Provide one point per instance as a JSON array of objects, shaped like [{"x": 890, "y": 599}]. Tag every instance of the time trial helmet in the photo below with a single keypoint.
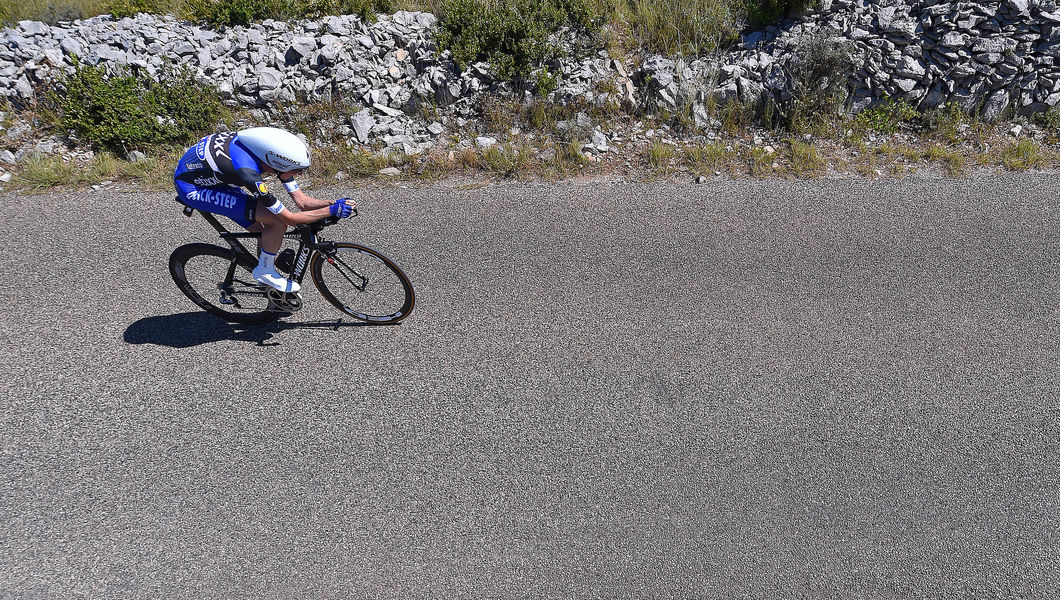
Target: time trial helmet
[{"x": 279, "y": 149}]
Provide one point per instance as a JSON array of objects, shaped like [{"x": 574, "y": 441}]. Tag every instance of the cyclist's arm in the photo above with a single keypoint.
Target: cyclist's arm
[
  {"x": 290, "y": 218},
  {"x": 306, "y": 202},
  {"x": 303, "y": 200}
]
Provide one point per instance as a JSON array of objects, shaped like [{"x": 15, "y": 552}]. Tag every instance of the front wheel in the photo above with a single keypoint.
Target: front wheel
[
  {"x": 212, "y": 278},
  {"x": 363, "y": 283}
]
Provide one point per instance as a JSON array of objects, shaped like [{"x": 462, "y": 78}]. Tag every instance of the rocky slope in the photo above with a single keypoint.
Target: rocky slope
[{"x": 988, "y": 56}]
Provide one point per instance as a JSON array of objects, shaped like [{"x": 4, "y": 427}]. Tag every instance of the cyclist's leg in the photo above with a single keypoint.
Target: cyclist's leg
[{"x": 272, "y": 229}]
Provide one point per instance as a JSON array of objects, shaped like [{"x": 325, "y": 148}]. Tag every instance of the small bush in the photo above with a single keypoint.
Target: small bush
[
  {"x": 506, "y": 161},
  {"x": 805, "y": 160},
  {"x": 706, "y": 159},
  {"x": 946, "y": 122},
  {"x": 122, "y": 111},
  {"x": 431, "y": 166},
  {"x": 1023, "y": 155},
  {"x": 498, "y": 114},
  {"x": 120, "y": 9},
  {"x": 764, "y": 12},
  {"x": 1049, "y": 119},
  {"x": 511, "y": 35},
  {"x": 820, "y": 82},
  {"x": 735, "y": 116},
  {"x": 104, "y": 166},
  {"x": 760, "y": 161},
  {"x": 545, "y": 82},
  {"x": 659, "y": 157},
  {"x": 955, "y": 164},
  {"x": 151, "y": 171},
  {"x": 356, "y": 162},
  {"x": 12, "y": 11},
  {"x": 888, "y": 117},
  {"x": 222, "y": 13}
]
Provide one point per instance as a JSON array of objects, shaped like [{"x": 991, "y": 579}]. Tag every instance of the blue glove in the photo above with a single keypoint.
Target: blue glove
[{"x": 340, "y": 209}]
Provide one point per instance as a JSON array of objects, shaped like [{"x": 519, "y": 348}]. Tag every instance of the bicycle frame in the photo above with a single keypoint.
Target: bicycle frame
[{"x": 308, "y": 242}]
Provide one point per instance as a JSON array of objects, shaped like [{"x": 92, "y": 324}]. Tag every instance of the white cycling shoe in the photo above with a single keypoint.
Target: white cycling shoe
[{"x": 273, "y": 279}]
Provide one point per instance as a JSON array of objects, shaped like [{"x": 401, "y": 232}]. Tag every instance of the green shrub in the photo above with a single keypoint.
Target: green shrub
[
  {"x": 659, "y": 157},
  {"x": 759, "y": 161},
  {"x": 545, "y": 82},
  {"x": 709, "y": 158},
  {"x": 511, "y": 35},
  {"x": 946, "y": 122},
  {"x": 1023, "y": 155},
  {"x": 764, "y": 12},
  {"x": 887, "y": 117},
  {"x": 1049, "y": 119},
  {"x": 222, "y": 13},
  {"x": 820, "y": 84},
  {"x": 121, "y": 111},
  {"x": 506, "y": 161},
  {"x": 51, "y": 12},
  {"x": 126, "y": 8},
  {"x": 103, "y": 166},
  {"x": 805, "y": 160}
]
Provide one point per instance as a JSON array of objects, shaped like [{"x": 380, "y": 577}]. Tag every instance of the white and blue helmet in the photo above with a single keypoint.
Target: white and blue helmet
[{"x": 279, "y": 149}]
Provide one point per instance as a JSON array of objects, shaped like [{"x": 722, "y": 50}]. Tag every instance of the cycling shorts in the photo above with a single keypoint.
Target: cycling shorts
[
  {"x": 230, "y": 202},
  {"x": 207, "y": 193}
]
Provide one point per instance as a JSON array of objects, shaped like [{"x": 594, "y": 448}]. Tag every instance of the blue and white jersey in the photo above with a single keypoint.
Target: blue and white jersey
[{"x": 219, "y": 160}]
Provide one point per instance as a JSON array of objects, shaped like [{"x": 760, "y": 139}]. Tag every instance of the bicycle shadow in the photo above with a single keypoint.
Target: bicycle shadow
[{"x": 185, "y": 330}]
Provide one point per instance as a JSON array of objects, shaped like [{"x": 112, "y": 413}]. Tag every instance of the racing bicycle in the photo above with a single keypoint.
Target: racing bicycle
[{"x": 355, "y": 279}]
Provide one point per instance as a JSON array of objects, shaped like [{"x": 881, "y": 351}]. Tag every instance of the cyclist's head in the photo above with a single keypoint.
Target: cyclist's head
[{"x": 278, "y": 149}]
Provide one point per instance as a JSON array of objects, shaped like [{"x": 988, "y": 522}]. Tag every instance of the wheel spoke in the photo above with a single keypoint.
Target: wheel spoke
[
  {"x": 364, "y": 284},
  {"x": 206, "y": 274}
]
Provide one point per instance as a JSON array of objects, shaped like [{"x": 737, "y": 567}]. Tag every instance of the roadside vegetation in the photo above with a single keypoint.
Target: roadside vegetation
[{"x": 136, "y": 128}]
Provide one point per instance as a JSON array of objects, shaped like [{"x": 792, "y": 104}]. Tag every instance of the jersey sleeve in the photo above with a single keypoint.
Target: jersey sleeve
[{"x": 249, "y": 177}]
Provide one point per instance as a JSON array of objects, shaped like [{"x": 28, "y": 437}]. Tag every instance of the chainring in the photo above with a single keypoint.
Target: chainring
[{"x": 284, "y": 301}]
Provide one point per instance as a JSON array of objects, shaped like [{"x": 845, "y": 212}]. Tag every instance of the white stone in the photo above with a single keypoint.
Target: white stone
[
  {"x": 386, "y": 110},
  {"x": 362, "y": 123},
  {"x": 600, "y": 141}
]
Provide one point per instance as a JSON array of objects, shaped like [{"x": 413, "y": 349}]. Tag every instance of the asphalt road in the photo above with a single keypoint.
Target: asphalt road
[{"x": 739, "y": 389}]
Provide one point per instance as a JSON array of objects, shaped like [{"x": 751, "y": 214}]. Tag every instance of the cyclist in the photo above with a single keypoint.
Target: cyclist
[{"x": 223, "y": 174}]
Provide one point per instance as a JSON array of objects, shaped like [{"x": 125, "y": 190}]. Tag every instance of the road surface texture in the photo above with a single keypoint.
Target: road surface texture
[{"x": 836, "y": 388}]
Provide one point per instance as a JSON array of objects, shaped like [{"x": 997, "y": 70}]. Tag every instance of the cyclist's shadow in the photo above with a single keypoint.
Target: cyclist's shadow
[{"x": 185, "y": 330}]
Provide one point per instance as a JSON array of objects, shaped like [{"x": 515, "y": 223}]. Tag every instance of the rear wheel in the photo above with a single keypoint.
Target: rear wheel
[
  {"x": 363, "y": 283},
  {"x": 212, "y": 278}
]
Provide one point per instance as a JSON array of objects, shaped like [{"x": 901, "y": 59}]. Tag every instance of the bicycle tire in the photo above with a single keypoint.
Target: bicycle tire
[
  {"x": 366, "y": 285},
  {"x": 201, "y": 281}
]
